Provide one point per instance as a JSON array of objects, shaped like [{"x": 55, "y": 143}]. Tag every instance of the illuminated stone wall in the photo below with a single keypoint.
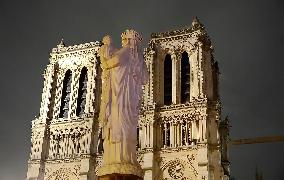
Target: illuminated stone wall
[
  {"x": 179, "y": 140},
  {"x": 65, "y": 148}
]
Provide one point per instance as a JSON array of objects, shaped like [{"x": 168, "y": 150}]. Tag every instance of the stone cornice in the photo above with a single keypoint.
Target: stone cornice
[
  {"x": 63, "y": 49},
  {"x": 70, "y": 120},
  {"x": 40, "y": 122},
  {"x": 178, "y": 32},
  {"x": 177, "y": 149}
]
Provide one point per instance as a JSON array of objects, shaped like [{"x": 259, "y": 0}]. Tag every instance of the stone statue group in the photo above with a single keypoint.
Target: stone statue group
[{"x": 124, "y": 73}]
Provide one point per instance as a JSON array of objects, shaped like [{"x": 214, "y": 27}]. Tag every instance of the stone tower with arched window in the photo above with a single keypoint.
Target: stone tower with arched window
[
  {"x": 63, "y": 136},
  {"x": 180, "y": 114},
  {"x": 180, "y": 133}
]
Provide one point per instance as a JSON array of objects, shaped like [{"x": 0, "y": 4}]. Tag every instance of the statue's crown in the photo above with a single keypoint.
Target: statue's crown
[{"x": 131, "y": 34}]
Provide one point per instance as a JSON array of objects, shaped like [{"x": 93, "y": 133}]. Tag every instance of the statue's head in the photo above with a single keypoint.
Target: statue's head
[{"x": 130, "y": 38}]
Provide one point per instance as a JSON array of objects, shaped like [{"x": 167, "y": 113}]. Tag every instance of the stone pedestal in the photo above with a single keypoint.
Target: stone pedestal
[
  {"x": 120, "y": 171},
  {"x": 119, "y": 177}
]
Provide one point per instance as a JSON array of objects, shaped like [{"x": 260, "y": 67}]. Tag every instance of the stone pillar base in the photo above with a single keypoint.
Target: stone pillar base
[
  {"x": 119, "y": 177},
  {"x": 120, "y": 169}
]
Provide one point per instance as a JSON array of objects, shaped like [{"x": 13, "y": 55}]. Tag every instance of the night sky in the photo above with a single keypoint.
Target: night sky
[{"x": 248, "y": 38}]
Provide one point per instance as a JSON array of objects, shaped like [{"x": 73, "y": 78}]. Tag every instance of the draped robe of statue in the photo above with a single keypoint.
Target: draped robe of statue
[{"x": 127, "y": 74}]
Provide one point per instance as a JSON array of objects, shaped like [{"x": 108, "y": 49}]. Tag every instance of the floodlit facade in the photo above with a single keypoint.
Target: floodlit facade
[{"x": 180, "y": 133}]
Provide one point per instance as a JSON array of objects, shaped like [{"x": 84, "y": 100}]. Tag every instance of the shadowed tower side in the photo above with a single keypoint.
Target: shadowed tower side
[{"x": 63, "y": 136}]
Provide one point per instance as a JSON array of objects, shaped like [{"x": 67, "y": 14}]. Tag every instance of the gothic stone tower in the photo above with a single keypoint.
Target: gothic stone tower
[
  {"x": 63, "y": 134},
  {"x": 180, "y": 115},
  {"x": 180, "y": 134}
]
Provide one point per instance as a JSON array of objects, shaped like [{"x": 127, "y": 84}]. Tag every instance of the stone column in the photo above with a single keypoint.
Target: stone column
[
  {"x": 47, "y": 85},
  {"x": 150, "y": 58},
  {"x": 174, "y": 79},
  {"x": 165, "y": 135},
  {"x": 74, "y": 92},
  {"x": 171, "y": 135}
]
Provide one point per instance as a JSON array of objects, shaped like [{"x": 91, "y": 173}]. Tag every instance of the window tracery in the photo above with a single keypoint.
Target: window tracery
[
  {"x": 82, "y": 92},
  {"x": 185, "y": 78},
  {"x": 65, "y": 97},
  {"x": 168, "y": 80}
]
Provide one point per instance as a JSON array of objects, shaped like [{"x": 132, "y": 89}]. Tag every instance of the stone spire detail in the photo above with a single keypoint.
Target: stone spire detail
[
  {"x": 196, "y": 24},
  {"x": 61, "y": 44}
]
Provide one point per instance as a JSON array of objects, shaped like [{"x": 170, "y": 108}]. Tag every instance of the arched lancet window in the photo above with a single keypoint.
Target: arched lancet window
[
  {"x": 138, "y": 145},
  {"x": 185, "y": 78},
  {"x": 100, "y": 148},
  {"x": 168, "y": 80},
  {"x": 82, "y": 91},
  {"x": 65, "y": 98}
]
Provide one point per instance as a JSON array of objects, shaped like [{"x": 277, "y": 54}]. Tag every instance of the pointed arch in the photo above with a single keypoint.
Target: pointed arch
[
  {"x": 185, "y": 78},
  {"x": 168, "y": 80},
  {"x": 82, "y": 92},
  {"x": 65, "y": 97},
  {"x": 100, "y": 147}
]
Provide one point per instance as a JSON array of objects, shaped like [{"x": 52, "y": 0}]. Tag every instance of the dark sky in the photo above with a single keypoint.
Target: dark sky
[{"x": 248, "y": 38}]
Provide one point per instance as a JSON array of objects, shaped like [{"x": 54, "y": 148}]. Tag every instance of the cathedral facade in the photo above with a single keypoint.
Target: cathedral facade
[{"x": 180, "y": 134}]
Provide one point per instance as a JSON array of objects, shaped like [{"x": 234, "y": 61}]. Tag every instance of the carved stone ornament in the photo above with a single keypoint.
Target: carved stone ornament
[
  {"x": 176, "y": 170},
  {"x": 63, "y": 174}
]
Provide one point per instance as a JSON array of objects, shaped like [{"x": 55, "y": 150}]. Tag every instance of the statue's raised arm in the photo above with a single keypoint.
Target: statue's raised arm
[{"x": 105, "y": 53}]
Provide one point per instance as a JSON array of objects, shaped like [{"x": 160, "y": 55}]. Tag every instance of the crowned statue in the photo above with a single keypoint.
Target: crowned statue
[{"x": 124, "y": 73}]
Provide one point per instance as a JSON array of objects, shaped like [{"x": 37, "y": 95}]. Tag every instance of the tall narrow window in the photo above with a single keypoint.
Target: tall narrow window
[
  {"x": 168, "y": 80},
  {"x": 138, "y": 139},
  {"x": 81, "y": 100},
  {"x": 185, "y": 78},
  {"x": 100, "y": 148},
  {"x": 65, "y": 98}
]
